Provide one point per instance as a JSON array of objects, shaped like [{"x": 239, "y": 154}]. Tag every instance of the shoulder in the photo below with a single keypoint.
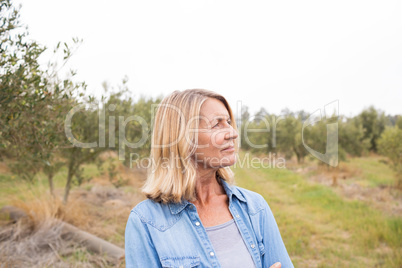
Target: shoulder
[
  {"x": 155, "y": 214},
  {"x": 147, "y": 207}
]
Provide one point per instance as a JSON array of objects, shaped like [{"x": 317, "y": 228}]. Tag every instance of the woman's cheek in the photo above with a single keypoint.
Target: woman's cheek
[
  {"x": 204, "y": 141},
  {"x": 217, "y": 139}
]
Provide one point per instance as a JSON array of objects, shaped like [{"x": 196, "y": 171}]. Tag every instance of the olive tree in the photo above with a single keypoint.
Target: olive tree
[
  {"x": 33, "y": 100},
  {"x": 390, "y": 145}
]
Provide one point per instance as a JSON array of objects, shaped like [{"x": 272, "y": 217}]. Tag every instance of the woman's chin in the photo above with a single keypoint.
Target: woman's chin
[{"x": 228, "y": 161}]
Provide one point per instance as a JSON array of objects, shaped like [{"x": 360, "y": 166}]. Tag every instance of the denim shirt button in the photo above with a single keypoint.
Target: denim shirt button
[
  {"x": 252, "y": 246},
  {"x": 212, "y": 254},
  {"x": 238, "y": 216},
  {"x": 197, "y": 223}
]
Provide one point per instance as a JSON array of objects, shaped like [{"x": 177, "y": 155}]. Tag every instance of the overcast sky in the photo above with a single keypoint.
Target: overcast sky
[{"x": 271, "y": 54}]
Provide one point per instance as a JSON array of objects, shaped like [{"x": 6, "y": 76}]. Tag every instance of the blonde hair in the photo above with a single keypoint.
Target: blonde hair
[{"x": 172, "y": 174}]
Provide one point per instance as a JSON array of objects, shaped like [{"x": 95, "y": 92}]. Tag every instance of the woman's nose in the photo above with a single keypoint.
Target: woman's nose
[{"x": 232, "y": 134}]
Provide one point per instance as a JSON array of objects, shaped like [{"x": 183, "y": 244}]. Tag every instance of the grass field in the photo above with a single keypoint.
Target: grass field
[{"x": 321, "y": 227}]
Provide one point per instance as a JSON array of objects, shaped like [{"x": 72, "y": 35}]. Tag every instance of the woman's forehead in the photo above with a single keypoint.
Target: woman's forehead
[{"x": 213, "y": 108}]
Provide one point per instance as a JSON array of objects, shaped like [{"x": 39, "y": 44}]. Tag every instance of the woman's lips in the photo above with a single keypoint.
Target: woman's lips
[{"x": 229, "y": 149}]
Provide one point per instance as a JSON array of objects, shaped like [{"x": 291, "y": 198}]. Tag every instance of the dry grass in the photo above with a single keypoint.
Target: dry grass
[
  {"x": 39, "y": 241},
  {"x": 96, "y": 207},
  {"x": 4, "y": 168},
  {"x": 103, "y": 206},
  {"x": 27, "y": 244}
]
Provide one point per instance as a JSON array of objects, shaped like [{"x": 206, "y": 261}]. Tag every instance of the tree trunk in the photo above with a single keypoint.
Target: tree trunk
[
  {"x": 298, "y": 159},
  {"x": 71, "y": 171},
  {"x": 298, "y": 155},
  {"x": 51, "y": 186},
  {"x": 334, "y": 180}
]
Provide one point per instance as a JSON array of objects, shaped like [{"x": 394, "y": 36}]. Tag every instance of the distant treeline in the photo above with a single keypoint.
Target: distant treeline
[
  {"x": 47, "y": 122},
  {"x": 282, "y": 133}
]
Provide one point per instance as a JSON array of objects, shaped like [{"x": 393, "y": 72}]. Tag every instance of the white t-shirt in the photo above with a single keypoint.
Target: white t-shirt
[{"x": 229, "y": 246}]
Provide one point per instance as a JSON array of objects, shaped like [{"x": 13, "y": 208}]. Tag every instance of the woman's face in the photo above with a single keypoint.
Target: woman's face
[{"x": 215, "y": 136}]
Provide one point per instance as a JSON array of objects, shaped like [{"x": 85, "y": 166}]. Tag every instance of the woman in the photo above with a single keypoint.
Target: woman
[{"x": 194, "y": 216}]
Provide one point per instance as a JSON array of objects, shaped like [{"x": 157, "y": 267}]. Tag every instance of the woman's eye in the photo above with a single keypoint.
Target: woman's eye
[{"x": 217, "y": 124}]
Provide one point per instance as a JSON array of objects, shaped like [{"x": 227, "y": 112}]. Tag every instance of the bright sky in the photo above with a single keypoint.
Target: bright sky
[{"x": 271, "y": 54}]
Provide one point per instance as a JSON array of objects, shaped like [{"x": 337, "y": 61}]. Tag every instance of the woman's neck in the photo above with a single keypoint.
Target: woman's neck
[{"x": 207, "y": 187}]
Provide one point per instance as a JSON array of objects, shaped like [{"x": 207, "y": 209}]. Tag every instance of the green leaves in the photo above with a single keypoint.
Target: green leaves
[
  {"x": 33, "y": 100},
  {"x": 390, "y": 145}
]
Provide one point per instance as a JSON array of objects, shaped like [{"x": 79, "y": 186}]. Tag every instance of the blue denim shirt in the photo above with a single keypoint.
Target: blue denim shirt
[{"x": 172, "y": 235}]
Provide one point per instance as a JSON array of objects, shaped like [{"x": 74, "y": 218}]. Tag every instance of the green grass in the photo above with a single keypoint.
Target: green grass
[
  {"x": 371, "y": 171},
  {"x": 12, "y": 188},
  {"x": 321, "y": 228},
  {"x": 7, "y": 188}
]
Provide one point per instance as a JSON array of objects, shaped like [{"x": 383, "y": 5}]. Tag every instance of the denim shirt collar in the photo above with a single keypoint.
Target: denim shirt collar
[
  {"x": 176, "y": 208},
  {"x": 232, "y": 190}
]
